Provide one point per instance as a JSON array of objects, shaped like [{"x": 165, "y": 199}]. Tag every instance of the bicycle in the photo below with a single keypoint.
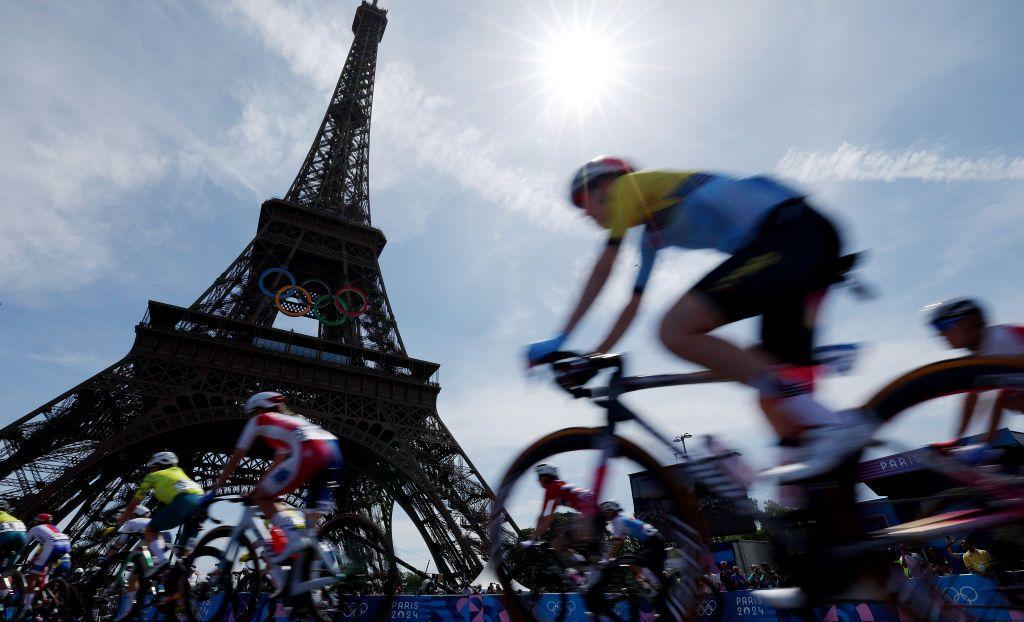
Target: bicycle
[
  {"x": 124, "y": 584},
  {"x": 324, "y": 580},
  {"x": 828, "y": 530},
  {"x": 679, "y": 520},
  {"x": 55, "y": 599}
]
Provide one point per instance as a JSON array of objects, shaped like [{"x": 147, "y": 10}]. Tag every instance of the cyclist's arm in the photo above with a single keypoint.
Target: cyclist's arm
[
  {"x": 126, "y": 514},
  {"x": 543, "y": 524},
  {"x": 622, "y": 324},
  {"x": 598, "y": 277},
  {"x": 229, "y": 468},
  {"x": 970, "y": 401}
]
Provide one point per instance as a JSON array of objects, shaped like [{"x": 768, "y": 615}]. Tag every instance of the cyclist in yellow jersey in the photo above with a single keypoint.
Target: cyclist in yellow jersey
[
  {"x": 13, "y": 537},
  {"x": 171, "y": 487},
  {"x": 783, "y": 255}
]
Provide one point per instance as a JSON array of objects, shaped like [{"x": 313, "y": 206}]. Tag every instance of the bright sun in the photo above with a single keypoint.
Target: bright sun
[{"x": 579, "y": 67}]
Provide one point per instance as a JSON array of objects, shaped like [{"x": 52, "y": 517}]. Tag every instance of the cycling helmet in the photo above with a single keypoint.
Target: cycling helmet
[
  {"x": 264, "y": 400},
  {"x": 611, "y": 506},
  {"x": 596, "y": 171},
  {"x": 547, "y": 469},
  {"x": 943, "y": 315},
  {"x": 44, "y": 518},
  {"x": 163, "y": 458},
  {"x": 141, "y": 510}
]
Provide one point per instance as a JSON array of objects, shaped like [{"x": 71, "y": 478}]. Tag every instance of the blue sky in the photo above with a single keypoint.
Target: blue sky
[{"x": 141, "y": 138}]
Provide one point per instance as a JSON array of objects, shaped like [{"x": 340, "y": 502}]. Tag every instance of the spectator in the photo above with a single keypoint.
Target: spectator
[
  {"x": 913, "y": 564},
  {"x": 725, "y": 575},
  {"x": 976, "y": 560},
  {"x": 427, "y": 587},
  {"x": 770, "y": 576},
  {"x": 710, "y": 582},
  {"x": 739, "y": 579},
  {"x": 756, "y": 579},
  {"x": 937, "y": 561}
]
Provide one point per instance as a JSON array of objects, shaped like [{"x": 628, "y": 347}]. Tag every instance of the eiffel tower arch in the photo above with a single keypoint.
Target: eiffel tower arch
[{"x": 315, "y": 255}]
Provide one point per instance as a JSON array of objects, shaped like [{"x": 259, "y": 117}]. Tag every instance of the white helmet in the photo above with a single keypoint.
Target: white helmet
[
  {"x": 141, "y": 510},
  {"x": 611, "y": 506},
  {"x": 163, "y": 458},
  {"x": 547, "y": 469},
  {"x": 264, "y": 400}
]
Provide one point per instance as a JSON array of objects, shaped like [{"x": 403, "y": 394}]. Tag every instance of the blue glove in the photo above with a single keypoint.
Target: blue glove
[{"x": 539, "y": 350}]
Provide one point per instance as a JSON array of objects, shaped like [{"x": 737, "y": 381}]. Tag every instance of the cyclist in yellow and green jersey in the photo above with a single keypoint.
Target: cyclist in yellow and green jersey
[
  {"x": 171, "y": 487},
  {"x": 13, "y": 536},
  {"x": 783, "y": 256}
]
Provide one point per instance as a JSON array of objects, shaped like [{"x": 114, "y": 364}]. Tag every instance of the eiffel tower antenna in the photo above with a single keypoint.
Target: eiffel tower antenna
[{"x": 80, "y": 456}]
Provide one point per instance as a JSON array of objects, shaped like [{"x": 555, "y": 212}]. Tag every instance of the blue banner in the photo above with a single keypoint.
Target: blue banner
[{"x": 971, "y": 591}]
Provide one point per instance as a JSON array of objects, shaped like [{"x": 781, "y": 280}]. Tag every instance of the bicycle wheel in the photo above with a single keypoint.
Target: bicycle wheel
[
  {"x": 548, "y": 595},
  {"x": 676, "y": 516},
  {"x": 355, "y": 550},
  {"x": 14, "y": 584},
  {"x": 210, "y": 589},
  {"x": 116, "y": 591},
  {"x": 54, "y": 601},
  {"x": 959, "y": 507}
]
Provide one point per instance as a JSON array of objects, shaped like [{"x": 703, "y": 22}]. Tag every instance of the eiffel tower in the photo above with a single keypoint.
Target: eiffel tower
[{"x": 81, "y": 455}]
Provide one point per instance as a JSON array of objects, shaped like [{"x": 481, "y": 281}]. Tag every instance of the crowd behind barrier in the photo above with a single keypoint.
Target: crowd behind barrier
[{"x": 737, "y": 606}]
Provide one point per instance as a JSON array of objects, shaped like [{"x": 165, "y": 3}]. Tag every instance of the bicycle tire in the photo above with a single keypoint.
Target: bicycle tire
[
  {"x": 217, "y": 610},
  {"x": 937, "y": 380},
  {"x": 361, "y": 539},
  {"x": 686, "y": 521}
]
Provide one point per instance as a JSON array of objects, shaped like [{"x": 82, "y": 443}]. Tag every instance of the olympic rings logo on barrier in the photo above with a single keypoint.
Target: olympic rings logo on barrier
[
  {"x": 707, "y": 606},
  {"x": 352, "y": 610},
  {"x": 554, "y": 607},
  {"x": 295, "y": 300},
  {"x": 965, "y": 595}
]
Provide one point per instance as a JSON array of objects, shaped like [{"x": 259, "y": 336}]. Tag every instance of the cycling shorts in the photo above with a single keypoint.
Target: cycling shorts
[
  {"x": 652, "y": 553},
  {"x": 318, "y": 463},
  {"x": 51, "y": 552},
  {"x": 781, "y": 276},
  {"x": 11, "y": 544},
  {"x": 180, "y": 509}
]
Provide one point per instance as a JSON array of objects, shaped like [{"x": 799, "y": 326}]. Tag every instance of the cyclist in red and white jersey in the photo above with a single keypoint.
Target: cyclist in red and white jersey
[
  {"x": 558, "y": 493},
  {"x": 54, "y": 545},
  {"x": 962, "y": 323},
  {"x": 303, "y": 453}
]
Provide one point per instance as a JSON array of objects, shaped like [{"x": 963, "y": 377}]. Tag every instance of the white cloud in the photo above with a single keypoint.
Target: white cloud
[
  {"x": 852, "y": 163},
  {"x": 414, "y": 126},
  {"x": 60, "y": 356}
]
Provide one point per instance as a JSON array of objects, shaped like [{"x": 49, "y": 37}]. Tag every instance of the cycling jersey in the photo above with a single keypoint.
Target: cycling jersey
[
  {"x": 693, "y": 210},
  {"x": 558, "y": 493},
  {"x": 623, "y": 526},
  {"x": 283, "y": 433},
  {"x": 167, "y": 484},
  {"x": 54, "y": 546},
  {"x": 9, "y": 523},
  {"x": 45, "y": 534},
  {"x": 133, "y": 525},
  {"x": 1002, "y": 340}
]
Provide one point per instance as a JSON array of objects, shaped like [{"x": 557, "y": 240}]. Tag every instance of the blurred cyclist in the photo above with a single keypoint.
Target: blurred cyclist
[{"x": 783, "y": 256}]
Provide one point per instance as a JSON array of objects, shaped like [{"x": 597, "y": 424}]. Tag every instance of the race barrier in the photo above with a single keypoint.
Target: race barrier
[{"x": 742, "y": 606}]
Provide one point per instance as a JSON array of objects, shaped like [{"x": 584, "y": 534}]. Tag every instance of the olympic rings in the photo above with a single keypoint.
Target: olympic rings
[
  {"x": 296, "y": 300},
  {"x": 289, "y": 289},
  {"x": 965, "y": 595}
]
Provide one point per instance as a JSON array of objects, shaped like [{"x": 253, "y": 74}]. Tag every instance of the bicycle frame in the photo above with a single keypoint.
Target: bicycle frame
[{"x": 248, "y": 523}]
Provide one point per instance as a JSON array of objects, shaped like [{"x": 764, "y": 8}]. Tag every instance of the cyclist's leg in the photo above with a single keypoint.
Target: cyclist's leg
[
  {"x": 285, "y": 477},
  {"x": 181, "y": 508},
  {"x": 11, "y": 544},
  {"x": 1008, "y": 399},
  {"x": 320, "y": 500}
]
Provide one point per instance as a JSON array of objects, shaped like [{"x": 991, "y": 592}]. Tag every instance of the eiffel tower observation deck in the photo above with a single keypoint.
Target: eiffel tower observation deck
[{"x": 314, "y": 254}]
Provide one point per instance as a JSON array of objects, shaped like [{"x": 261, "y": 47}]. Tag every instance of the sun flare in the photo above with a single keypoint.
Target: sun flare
[{"x": 579, "y": 67}]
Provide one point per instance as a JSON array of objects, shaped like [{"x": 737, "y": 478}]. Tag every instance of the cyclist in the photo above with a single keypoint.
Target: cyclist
[
  {"x": 652, "y": 544},
  {"x": 304, "y": 453},
  {"x": 557, "y": 494},
  {"x": 962, "y": 323},
  {"x": 13, "y": 536},
  {"x": 172, "y": 487},
  {"x": 783, "y": 257},
  {"x": 54, "y": 546}
]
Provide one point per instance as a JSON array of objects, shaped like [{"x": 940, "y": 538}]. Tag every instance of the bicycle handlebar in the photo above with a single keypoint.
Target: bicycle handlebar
[{"x": 573, "y": 371}]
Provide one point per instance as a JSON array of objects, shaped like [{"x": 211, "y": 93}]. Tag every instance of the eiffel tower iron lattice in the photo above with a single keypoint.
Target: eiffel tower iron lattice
[{"x": 81, "y": 455}]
